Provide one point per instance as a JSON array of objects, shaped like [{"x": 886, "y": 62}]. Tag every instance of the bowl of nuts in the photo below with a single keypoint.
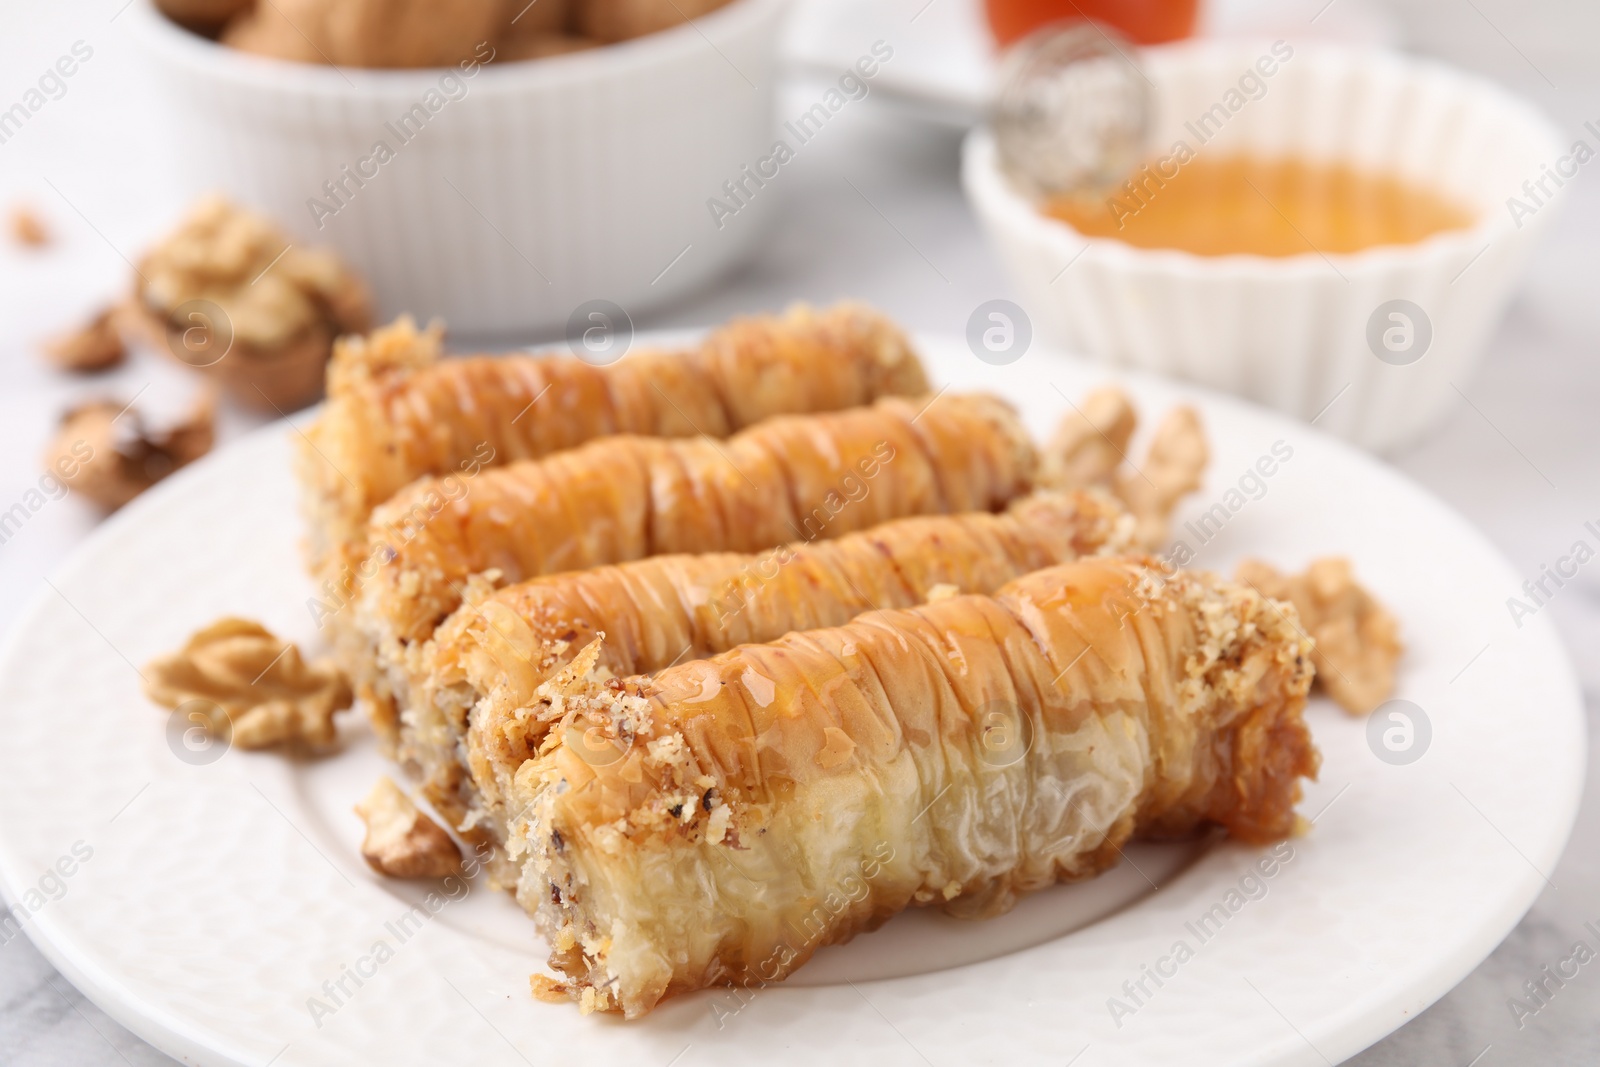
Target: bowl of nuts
[{"x": 496, "y": 163}]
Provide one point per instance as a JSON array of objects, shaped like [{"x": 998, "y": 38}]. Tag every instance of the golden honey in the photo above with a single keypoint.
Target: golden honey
[{"x": 1265, "y": 207}]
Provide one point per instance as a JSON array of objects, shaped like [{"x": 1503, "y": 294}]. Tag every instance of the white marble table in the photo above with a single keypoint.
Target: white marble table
[{"x": 1519, "y": 461}]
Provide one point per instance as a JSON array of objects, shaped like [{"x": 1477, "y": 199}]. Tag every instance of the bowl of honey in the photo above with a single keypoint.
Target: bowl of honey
[{"x": 1328, "y": 230}]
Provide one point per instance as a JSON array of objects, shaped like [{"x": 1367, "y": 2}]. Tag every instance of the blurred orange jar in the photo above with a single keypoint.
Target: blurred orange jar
[
  {"x": 1141, "y": 21},
  {"x": 1241, "y": 205}
]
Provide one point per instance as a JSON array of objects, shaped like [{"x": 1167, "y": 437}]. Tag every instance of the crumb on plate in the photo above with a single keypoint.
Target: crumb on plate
[
  {"x": 28, "y": 228},
  {"x": 1357, "y": 640}
]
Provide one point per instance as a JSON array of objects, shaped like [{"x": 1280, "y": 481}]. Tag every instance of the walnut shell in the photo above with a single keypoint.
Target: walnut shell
[
  {"x": 103, "y": 450},
  {"x": 95, "y": 346}
]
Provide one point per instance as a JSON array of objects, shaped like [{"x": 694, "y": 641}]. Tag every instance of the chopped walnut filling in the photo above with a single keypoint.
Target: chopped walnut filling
[
  {"x": 267, "y": 693},
  {"x": 402, "y": 841},
  {"x": 115, "y": 458},
  {"x": 1357, "y": 639},
  {"x": 229, "y": 294},
  {"x": 394, "y": 350},
  {"x": 94, "y": 346}
]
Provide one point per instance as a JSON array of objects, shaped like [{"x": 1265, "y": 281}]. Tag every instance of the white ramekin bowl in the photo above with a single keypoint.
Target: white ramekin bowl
[
  {"x": 548, "y": 184},
  {"x": 1294, "y": 332}
]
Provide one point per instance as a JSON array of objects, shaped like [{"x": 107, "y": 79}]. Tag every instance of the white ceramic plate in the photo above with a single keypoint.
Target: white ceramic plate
[{"x": 215, "y": 901}]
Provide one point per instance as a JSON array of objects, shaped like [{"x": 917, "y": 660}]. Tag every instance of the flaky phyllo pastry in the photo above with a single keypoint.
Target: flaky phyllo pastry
[
  {"x": 491, "y": 656},
  {"x": 623, "y": 498},
  {"x": 718, "y": 821},
  {"x": 397, "y": 412}
]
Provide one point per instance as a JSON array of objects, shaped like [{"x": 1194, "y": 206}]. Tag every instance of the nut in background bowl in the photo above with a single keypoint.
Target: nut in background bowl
[
  {"x": 1296, "y": 333},
  {"x": 529, "y": 188}
]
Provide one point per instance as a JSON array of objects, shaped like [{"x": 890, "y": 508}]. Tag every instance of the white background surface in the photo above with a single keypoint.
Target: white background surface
[{"x": 870, "y": 210}]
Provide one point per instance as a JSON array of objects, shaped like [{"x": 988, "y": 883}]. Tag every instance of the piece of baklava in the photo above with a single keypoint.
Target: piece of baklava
[
  {"x": 397, "y": 412},
  {"x": 491, "y": 656},
  {"x": 622, "y": 498},
  {"x": 752, "y": 807}
]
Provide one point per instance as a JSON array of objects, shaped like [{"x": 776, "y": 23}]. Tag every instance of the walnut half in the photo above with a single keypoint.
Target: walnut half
[
  {"x": 229, "y": 294},
  {"x": 269, "y": 694},
  {"x": 1173, "y": 468},
  {"x": 1090, "y": 448},
  {"x": 401, "y": 841},
  {"x": 1357, "y": 639},
  {"x": 1091, "y": 442}
]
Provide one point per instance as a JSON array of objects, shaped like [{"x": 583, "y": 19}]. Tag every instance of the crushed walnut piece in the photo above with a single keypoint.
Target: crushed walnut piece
[
  {"x": 1091, "y": 442},
  {"x": 1357, "y": 640},
  {"x": 95, "y": 346},
  {"x": 228, "y": 294},
  {"x": 269, "y": 694},
  {"x": 1090, "y": 448},
  {"x": 27, "y": 228},
  {"x": 549, "y": 990},
  {"x": 402, "y": 841},
  {"x": 113, "y": 457},
  {"x": 1172, "y": 469}
]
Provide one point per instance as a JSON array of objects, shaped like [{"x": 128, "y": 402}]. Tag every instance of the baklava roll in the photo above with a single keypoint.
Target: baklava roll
[
  {"x": 397, "y": 412},
  {"x": 752, "y": 807},
  {"x": 495, "y": 651},
  {"x": 794, "y": 478}
]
